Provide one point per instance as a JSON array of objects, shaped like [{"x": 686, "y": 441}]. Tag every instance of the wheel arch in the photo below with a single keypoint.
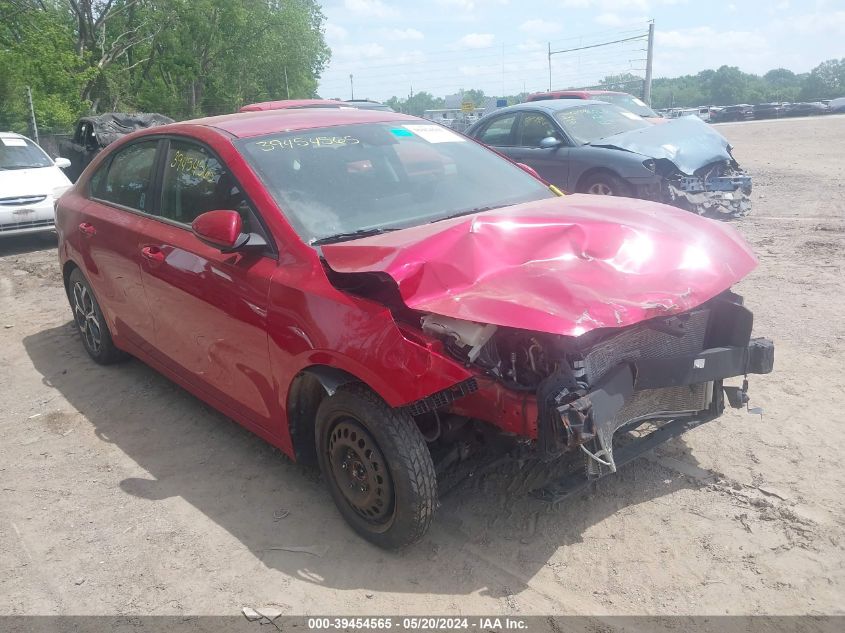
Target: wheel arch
[
  {"x": 67, "y": 269},
  {"x": 309, "y": 387}
]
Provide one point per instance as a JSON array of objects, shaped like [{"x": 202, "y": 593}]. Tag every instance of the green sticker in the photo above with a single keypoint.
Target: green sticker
[{"x": 401, "y": 132}]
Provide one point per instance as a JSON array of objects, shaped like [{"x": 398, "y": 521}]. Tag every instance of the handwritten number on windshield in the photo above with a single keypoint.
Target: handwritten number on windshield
[{"x": 301, "y": 141}]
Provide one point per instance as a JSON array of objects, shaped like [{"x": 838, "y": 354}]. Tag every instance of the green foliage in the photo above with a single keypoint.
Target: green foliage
[
  {"x": 178, "y": 57},
  {"x": 417, "y": 104},
  {"x": 728, "y": 85}
]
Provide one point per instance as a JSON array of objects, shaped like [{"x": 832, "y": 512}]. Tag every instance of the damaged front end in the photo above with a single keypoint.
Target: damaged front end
[
  {"x": 720, "y": 190},
  {"x": 591, "y": 391}
]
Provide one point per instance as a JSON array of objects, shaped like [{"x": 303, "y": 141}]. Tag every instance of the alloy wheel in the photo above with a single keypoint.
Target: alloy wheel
[
  {"x": 85, "y": 314},
  {"x": 600, "y": 189}
]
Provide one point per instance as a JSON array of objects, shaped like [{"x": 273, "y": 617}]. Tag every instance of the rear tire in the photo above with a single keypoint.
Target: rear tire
[
  {"x": 604, "y": 183},
  {"x": 377, "y": 467},
  {"x": 90, "y": 321}
]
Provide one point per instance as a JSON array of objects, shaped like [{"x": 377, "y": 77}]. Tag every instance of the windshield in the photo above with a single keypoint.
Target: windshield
[
  {"x": 340, "y": 182},
  {"x": 590, "y": 123},
  {"x": 629, "y": 102},
  {"x": 21, "y": 153}
]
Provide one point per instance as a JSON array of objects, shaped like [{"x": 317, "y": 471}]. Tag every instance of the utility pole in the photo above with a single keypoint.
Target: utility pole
[
  {"x": 32, "y": 124},
  {"x": 287, "y": 87},
  {"x": 351, "y": 88},
  {"x": 550, "y": 66},
  {"x": 648, "y": 63}
]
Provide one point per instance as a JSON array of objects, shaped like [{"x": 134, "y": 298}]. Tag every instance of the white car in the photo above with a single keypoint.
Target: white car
[{"x": 29, "y": 182}]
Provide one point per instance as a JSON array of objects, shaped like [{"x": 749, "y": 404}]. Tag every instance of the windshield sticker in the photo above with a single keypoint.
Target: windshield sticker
[
  {"x": 305, "y": 141},
  {"x": 401, "y": 132},
  {"x": 13, "y": 142},
  {"x": 193, "y": 166},
  {"x": 631, "y": 115},
  {"x": 435, "y": 133}
]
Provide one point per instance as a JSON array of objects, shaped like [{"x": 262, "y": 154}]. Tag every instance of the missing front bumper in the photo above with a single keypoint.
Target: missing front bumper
[{"x": 683, "y": 391}]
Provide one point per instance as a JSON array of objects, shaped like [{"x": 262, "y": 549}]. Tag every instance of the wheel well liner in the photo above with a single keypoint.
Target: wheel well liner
[{"x": 307, "y": 391}]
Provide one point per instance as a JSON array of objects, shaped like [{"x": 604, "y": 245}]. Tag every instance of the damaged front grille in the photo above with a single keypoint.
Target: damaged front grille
[
  {"x": 718, "y": 190},
  {"x": 442, "y": 398},
  {"x": 664, "y": 402},
  {"x": 678, "y": 336}
]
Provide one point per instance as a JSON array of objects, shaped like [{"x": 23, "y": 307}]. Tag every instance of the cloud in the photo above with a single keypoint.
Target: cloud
[
  {"x": 374, "y": 8},
  {"x": 707, "y": 38},
  {"x": 335, "y": 33},
  {"x": 469, "y": 5},
  {"x": 609, "y": 19},
  {"x": 540, "y": 27},
  {"x": 475, "y": 40},
  {"x": 399, "y": 35},
  {"x": 357, "y": 52},
  {"x": 618, "y": 6}
]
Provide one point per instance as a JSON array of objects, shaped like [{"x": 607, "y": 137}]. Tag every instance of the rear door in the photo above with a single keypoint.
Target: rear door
[
  {"x": 209, "y": 307},
  {"x": 105, "y": 232},
  {"x": 552, "y": 163}
]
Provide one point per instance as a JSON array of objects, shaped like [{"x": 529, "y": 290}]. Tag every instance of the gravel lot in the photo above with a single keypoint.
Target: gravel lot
[{"x": 122, "y": 494}]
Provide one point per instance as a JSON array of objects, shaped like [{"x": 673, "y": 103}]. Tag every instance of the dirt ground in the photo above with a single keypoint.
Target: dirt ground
[{"x": 122, "y": 494}]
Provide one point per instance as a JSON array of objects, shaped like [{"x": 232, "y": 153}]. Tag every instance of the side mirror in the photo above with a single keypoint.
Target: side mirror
[
  {"x": 550, "y": 142},
  {"x": 61, "y": 163},
  {"x": 221, "y": 229},
  {"x": 530, "y": 170}
]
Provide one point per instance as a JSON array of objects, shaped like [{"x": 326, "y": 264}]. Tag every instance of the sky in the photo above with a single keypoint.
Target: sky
[{"x": 393, "y": 47}]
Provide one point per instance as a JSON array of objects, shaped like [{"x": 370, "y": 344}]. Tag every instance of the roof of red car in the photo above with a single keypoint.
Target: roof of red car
[
  {"x": 292, "y": 103},
  {"x": 245, "y": 124}
]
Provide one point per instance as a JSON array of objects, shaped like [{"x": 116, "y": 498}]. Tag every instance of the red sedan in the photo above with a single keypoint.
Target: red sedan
[{"x": 382, "y": 296}]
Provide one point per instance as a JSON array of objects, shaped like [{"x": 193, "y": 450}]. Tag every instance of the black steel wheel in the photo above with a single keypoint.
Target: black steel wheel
[
  {"x": 377, "y": 467},
  {"x": 360, "y": 471}
]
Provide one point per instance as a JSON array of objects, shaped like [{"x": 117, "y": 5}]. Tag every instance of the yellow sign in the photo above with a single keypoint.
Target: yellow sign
[{"x": 467, "y": 106}]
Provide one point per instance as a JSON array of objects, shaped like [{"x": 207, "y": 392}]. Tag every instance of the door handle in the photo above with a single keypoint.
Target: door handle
[
  {"x": 153, "y": 253},
  {"x": 87, "y": 229}
]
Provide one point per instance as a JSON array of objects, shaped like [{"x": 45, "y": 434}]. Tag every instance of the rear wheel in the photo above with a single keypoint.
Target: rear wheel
[
  {"x": 377, "y": 467},
  {"x": 606, "y": 184},
  {"x": 90, "y": 321}
]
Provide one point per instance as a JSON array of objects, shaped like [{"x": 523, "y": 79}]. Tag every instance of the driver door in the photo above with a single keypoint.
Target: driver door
[
  {"x": 209, "y": 307},
  {"x": 551, "y": 163}
]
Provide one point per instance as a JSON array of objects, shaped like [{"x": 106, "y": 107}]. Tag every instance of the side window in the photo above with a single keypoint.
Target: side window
[
  {"x": 536, "y": 127},
  {"x": 195, "y": 181},
  {"x": 128, "y": 177},
  {"x": 498, "y": 132}
]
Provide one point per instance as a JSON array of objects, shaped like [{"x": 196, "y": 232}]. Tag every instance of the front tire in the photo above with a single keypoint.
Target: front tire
[
  {"x": 606, "y": 184},
  {"x": 377, "y": 467},
  {"x": 90, "y": 321}
]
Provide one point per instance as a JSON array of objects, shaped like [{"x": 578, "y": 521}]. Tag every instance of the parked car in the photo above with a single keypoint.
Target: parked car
[
  {"x": 29, "y": 183},
  {"x": 94, "y": 133},
  {"x": 366, "y": 104},
  {"x": 769, "y": 110},
  {"x": 380, "y": 295},
  {"x": 621, "y": 99},
  {"x": 837, "y": 105},
  {"x": 814, "y": 108},
  {"x": 598, "y": 148},
  {"x": 741, "y": 112}
]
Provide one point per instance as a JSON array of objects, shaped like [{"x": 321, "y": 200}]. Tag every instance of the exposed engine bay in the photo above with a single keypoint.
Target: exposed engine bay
[
  {"x": 589, "y": 387},
  {"x": 719, "y": 190}
]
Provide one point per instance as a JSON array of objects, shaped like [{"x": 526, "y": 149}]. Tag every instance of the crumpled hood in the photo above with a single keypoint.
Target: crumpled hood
[
  {"x": 38, "y": 181},
  {"x": 563, "y": 265},
  {"x": 688, "y": 142}
]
